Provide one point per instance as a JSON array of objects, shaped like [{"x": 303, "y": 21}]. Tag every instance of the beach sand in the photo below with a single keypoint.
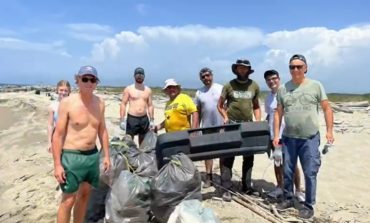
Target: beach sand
[{"x": 28, "y": 188}]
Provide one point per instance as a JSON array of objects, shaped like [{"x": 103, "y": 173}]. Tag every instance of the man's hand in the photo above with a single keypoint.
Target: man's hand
[
  {"x": 226, "y": 121},
  {"x": 122, "y": 124},
  {"x": 106, "y": 164},
  {"x": 59, "y": 174},
  {"x": 329, "y": 137},
  {"x": 275, "y": 142}
]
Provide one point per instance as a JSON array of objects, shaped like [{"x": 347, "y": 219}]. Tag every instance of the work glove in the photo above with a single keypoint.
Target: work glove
[
  {"x": 278, "y": 156},
  {"x": 122, "y": 124},
  {"x": 151, "y": 124}
]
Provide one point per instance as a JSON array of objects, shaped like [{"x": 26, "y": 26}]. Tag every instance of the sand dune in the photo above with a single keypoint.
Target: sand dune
[{"x": 27, "y": 185}]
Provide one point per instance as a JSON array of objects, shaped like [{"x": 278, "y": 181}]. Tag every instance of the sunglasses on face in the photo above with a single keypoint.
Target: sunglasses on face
[
  {"x": 92, "y": 80},
  {"x": 293, "y": 67}
]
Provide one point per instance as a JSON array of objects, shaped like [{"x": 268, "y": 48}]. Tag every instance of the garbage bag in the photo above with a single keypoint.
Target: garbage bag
[
  {"x": 95, "y": 211},
  {"x": 143, "y": 163},
  {"x": 176, "y": 181},
  {"x": 192, "y": 211},
  {"x": 128, "y": 200},
  {"x": 149, "y": 142}
]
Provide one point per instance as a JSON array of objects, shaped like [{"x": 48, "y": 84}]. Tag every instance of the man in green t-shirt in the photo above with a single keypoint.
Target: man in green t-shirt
[
  {"x": 241, "y": 97},
  {"x": 298, "y": 101}
]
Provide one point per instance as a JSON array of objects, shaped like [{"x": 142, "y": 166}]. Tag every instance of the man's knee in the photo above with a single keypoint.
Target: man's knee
[
  {"x": 84, "y": 191},
  {"x": 68, "y": 200}
]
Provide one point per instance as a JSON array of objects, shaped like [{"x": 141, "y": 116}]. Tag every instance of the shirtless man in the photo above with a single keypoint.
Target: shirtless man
[
  {"x": 76, "y": 158},
  {"x": 139, "y": 98}
]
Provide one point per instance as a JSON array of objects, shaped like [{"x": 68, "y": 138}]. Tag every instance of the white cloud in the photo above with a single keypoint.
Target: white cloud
[
  {"x": 90, "y": 32},
  {"x": 56, "y": 47}
]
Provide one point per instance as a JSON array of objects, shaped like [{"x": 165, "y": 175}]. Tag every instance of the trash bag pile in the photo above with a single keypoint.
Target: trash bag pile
[
  {"x": 192, "y": 211},
  {"x": 133, "y": 190}
]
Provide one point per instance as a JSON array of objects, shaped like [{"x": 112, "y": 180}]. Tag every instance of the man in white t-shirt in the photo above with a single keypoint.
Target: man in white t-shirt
[
  {"x": 206, "y": 99},
  {"x": 273, "y": 82}
]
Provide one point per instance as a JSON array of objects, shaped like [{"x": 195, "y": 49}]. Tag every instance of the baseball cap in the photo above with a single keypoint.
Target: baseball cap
[
  {"x": 88, "y": 70},
  {"x": 298, "y": 57},
  {"x": 170, "y": 82},
  {"x": 139, "y": 70}
]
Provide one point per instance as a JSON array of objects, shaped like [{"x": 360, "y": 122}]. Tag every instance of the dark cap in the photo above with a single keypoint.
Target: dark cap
[
  {"x": 241, "y": 62},
  {"x": 270, "y": 73},
  {"x": 298, "y": 57},
  {"x": 205, "y": 70},
  {"x": 139, "y": 70}
]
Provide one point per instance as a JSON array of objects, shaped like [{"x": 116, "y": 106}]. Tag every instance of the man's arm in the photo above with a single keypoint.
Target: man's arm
[
  {"x": 256, "y": 109},
  {"x": 58, "y": 140},
  {"x": 278, "y": 115},
  {"x": 50, "y": 127},
  {"x": 221, "y": 109},
  {"x": 150, "y": 106},
  {"x": 328, "y": 114},
  {"x": 103, "y": 137},
  {"x": 125, "y": 97},
  {"x": 199, "y": 111},
  {"x": 194, "y": 120}
]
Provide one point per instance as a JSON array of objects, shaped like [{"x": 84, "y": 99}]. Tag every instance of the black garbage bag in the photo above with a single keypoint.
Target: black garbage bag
[
  {"x": 129, "y": 199},
  {"x": 117, "y": 149},
  {"x": 143, "y": 163},
  {"x": 149, "y": 142},
  {"x": 176, "y": 181},
  {"x": 95, "y": 211}
]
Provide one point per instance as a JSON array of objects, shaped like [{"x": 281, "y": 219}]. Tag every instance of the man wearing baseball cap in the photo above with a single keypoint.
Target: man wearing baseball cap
[
  {"x": 299, "y": 101},
  {"x": 76, "y": 158},
  {"x": 241, "y": 96},
  {"x": 139, "y": 98}
]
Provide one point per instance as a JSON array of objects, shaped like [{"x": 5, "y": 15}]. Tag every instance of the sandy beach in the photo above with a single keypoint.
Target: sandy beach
[{"x": 28, "y": 188}]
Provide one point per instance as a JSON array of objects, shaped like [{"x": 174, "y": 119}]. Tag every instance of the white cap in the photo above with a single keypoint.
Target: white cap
[{"x": 170, "y": 82}]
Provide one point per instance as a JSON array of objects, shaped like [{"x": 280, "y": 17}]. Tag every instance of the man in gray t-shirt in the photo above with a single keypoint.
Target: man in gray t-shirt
[
  {"x": 206, "y": 99},
  {"x": 298, "y": 101}
]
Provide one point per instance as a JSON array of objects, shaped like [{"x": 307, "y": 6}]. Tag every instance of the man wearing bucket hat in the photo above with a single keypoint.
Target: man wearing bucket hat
[
  {"x": 76, "y": 158},
  {"x": 139, "y": 98},
  {"x": 298, "y": 101},
  {"x": 179, "y": 110},
  {"x": 241, "y": 96}
]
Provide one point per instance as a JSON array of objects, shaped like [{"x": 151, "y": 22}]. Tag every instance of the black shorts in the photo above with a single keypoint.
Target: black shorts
[{"x": 137, "y": 125}]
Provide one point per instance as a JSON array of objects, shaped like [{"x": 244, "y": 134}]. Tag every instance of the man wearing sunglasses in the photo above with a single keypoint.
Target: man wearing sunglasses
[
  {"x": 139, "y": 98},
  {"x": 206, "y": 99},
  {"x": 76, "y": 158},
  {"x": 241, "y": 96},
  {"x": 298, "y": 101}
]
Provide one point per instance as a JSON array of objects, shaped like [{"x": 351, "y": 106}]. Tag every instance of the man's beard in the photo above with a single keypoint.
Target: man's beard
[
  {"x": 243, "y": 78},
  {"x": 139, "y": 81}
]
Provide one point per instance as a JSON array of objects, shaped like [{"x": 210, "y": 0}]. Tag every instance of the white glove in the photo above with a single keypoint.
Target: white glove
[
  {"x": 151, "y": 124},
  {"x": 278, "y": 156},
  {"x": 122, "y": 125}
]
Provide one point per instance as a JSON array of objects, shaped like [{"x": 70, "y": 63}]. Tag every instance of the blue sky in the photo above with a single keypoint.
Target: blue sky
[{"x": 45, "y": 41}]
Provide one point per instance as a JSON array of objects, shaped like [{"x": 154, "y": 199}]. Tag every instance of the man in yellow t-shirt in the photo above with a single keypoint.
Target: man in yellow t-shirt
[{"x": 180, "y": 111}]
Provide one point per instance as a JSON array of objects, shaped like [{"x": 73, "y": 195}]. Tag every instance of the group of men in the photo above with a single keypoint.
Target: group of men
[{"x": 295, "y": 102}]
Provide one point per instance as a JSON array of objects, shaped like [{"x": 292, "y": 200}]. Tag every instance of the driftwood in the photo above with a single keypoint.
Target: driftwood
[
  {"x": 361, "y": 104},
  {"x": 261, "y": 212},
  {"x": 337, "y": 108}
]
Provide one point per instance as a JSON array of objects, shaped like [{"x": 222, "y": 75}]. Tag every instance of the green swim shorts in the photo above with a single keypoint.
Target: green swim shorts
[{"x": 80, "y": 166}]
